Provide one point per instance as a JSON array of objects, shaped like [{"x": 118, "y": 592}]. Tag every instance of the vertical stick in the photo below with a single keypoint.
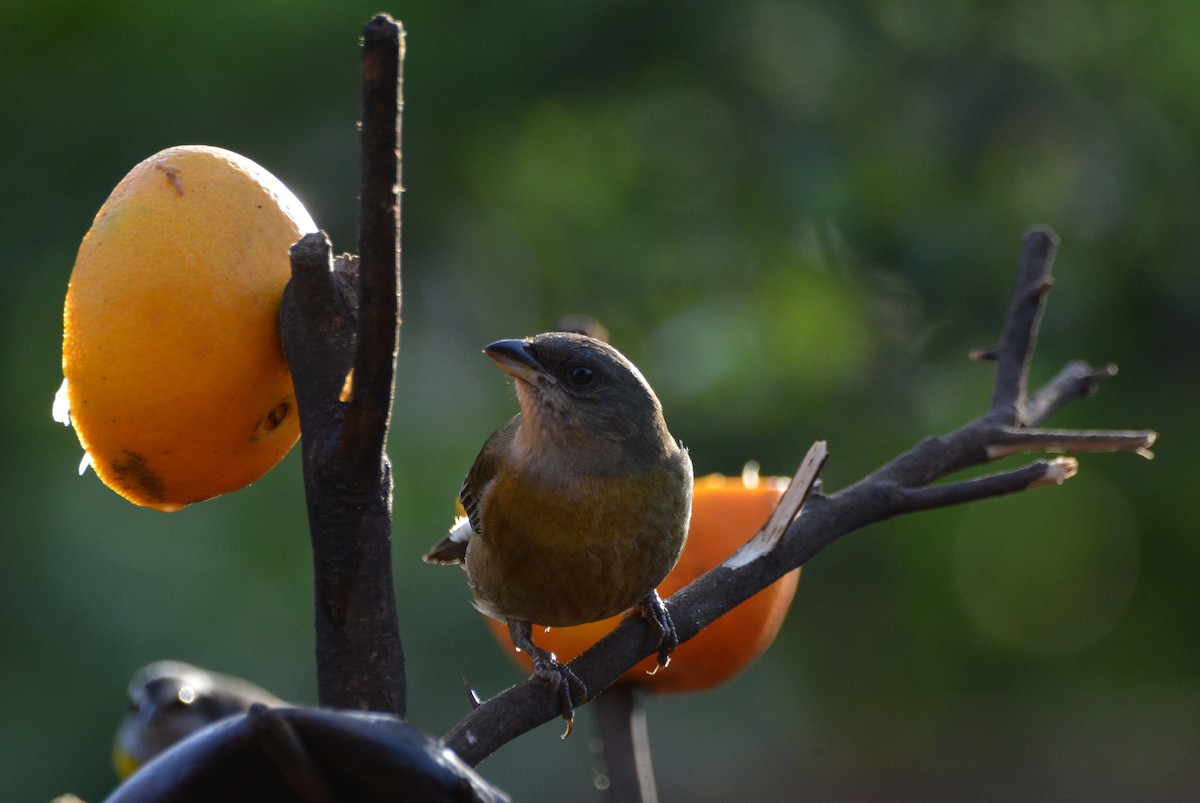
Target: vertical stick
[
  {"x": 370, "y": 404},
  {"x": 626, "y": 746},
  {"x": 344, "y": 416}
]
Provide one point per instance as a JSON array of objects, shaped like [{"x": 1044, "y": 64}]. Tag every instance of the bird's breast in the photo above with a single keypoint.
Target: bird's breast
[{"x": 564, "y": 550}]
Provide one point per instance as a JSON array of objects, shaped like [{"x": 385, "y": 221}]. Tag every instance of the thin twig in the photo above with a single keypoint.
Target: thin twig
[
  {"x": 786, "y": 510},
  {"x": 1076, "y": 380},
  {"x": 1010, "y": 440},
  {"x": 1019, "y": 338},
  {"x": 1041, "y": 472}
]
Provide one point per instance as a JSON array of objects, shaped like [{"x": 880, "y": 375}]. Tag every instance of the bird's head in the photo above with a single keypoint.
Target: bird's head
[{"x": 581, "y": 395}]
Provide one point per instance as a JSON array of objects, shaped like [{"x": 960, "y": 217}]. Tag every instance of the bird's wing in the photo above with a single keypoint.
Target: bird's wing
[
  {"x": 453, "y": 548},
  {"x": 483, "y": 471}
]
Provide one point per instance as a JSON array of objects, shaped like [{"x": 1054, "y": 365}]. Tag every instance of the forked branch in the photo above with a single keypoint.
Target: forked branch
[{"x": 340, "y": 328}]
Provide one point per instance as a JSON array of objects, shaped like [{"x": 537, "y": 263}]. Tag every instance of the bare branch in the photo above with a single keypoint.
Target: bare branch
[
  {"x": 1076, "y": 381},
  {"x": 369, "y": 407},
  {"x": 1042, "y": 472},
  {"x": 787, "y": 509},
  {"x": 326, "y": 328},
  {"x": 1019, "y": 338},
  {"x": 903, "y": 485},
  {"x": 1010, "y": 440}
]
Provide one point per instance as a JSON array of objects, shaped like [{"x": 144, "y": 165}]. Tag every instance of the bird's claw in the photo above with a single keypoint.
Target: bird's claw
[
  {"x": 563, "y": 680},
  {"x": 655, "y": 612},
  {"x": 545, "y": 666}
]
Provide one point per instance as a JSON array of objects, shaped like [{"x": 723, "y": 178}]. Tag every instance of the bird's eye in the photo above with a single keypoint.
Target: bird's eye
[{"x": 582, "y": 376}]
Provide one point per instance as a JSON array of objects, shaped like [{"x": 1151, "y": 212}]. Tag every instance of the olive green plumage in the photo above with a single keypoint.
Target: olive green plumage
[{"x": 579, "y": 506}]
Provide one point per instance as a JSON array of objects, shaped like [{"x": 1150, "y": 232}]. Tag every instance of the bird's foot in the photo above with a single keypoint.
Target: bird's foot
[
  {"x": 546, "y": 666},
  {"x": 655, "y": 612}
]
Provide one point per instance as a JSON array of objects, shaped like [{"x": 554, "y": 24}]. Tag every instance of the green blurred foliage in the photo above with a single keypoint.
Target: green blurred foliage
[{"x": 796, "y": 218}]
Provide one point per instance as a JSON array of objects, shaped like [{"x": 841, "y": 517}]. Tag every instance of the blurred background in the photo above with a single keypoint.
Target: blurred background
[{"x": 796, "y": 218}]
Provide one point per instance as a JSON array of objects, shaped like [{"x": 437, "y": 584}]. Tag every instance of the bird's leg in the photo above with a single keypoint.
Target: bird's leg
[
  {"x": 655, "y": 612},
  {"x": 546, "y": 666}
]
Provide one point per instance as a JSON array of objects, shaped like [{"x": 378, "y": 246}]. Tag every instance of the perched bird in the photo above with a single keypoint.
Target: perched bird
[
  {"x": 576, "y": 508},
  {"x": 169, "y": 700}
]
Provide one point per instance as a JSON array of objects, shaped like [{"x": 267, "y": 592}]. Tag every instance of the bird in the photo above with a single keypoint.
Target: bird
[
  {"x": 577, "y": 507},
  {"x": 169, "y": 700}
]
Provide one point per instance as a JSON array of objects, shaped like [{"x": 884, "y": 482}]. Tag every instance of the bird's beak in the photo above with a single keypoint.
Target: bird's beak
[{"x": 515, "y": 359}]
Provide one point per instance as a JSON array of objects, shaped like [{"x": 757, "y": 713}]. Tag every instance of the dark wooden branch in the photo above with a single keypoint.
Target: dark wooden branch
[
  {"x": 370, "y": 403},
  {"x": 901, "y": 486},
  {"x": 1075, "y": 381},
  {"x": 327, "y": 328},
  {"x": 1011, "y": 440},
  {"x": 1041, "y": 472},
  {"x": 1019, "y": 337}
]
